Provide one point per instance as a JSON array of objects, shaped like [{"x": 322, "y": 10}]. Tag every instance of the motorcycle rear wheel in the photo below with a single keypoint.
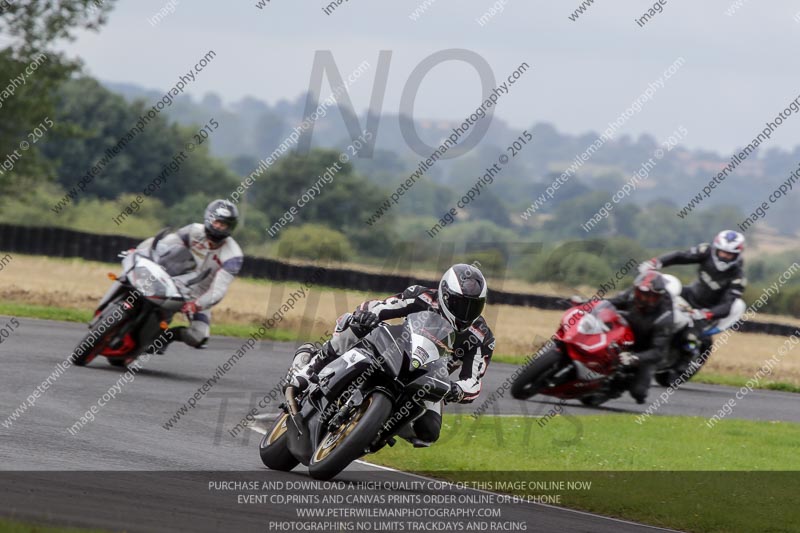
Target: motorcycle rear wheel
[
  {"x": 350, "y": 441},
  {"x": 273, "y": 449},
  {"x": 536, "y": 374},
  {"x": 594, "y": 400},
  {"x": 667, "y": 378}
]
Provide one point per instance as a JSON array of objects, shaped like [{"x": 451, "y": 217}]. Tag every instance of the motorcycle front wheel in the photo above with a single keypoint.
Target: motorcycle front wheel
[
  {"x": 98, "y": 338},
  {"x": 351, "y": 439},
  {"x": 274, "y": 451},
  {"x": 536, "y": 374}
]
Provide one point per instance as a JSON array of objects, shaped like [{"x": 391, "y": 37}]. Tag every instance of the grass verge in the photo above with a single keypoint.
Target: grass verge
[
  {"x": 12, "y": 526},
  {"x": 737, "y": 381},
  {"x": 678, "y": 473},
  {"x": 79, "y": 315},
  {"x": 710, "y": 378}
]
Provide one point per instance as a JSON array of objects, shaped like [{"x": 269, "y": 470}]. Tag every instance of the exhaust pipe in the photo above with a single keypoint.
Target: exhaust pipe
[
  {"x": 291, "y": 401},
  {"x": 294, "y": 409}
]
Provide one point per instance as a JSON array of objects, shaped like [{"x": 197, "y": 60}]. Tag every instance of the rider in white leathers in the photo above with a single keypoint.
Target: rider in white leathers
[{"x": 206, "y": 252}]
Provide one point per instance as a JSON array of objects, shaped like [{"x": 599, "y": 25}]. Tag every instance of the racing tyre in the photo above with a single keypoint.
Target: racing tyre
[
  {"x": 273, "y": 449},
  {"x": 536, "y": 374},
  {"x": 668, "y": 378},
  {"x": 97, "y": 339},
  {"x": 594, "y": 400},
  {"x": 352, "y": 438}
]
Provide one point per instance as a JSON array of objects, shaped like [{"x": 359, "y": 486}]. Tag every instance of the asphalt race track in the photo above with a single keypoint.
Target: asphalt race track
[{"x": 147, "y": 478}]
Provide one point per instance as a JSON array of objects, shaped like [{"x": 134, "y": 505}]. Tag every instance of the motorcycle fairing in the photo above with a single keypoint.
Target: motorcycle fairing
[{"x": 586, "y": 336}]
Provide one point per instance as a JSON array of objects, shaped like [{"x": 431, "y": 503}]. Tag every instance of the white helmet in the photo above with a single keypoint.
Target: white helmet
[
  {"x": 727, "y": 249},
  {"x": 462, "y": 295}
]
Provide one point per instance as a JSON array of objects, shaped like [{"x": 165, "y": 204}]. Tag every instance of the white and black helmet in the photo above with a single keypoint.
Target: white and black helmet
[
  {"x": 221, "y": 211},
  {"x": 462, "y": 295},
  {"x": 731, "y": 244}
]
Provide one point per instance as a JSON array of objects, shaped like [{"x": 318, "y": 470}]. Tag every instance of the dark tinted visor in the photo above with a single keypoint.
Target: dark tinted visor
[{"x": 464, "y": 308}]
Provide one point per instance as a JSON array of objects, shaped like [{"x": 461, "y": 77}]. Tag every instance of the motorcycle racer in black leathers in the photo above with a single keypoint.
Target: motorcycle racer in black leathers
[
  {"x": 460, "y": 299},
  {"x": 716, "y": 295},
  {"x": 647, "y": 307}
]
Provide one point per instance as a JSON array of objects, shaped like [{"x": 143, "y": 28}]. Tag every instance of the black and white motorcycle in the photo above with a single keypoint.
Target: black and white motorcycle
[
  {"x": 363, "y": 399},
  {"x": 685, "y": 361}
]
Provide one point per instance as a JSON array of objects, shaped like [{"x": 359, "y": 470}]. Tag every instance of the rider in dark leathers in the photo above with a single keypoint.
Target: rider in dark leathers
[
  {"x": 647, "y": 307},
  {"x": 459, "y": 299},
  {"x": 717, "y": 293}
]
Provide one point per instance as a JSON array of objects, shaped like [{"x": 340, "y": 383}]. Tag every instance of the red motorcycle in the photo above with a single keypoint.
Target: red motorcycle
[{"x": 582, "y": 360}]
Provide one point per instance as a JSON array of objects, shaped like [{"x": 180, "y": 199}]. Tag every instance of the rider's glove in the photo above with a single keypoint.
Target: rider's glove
[
  {"x": 702, "y": 314},
  {"x": 650, "y": 264},
  {"x": 190, "y": 308},
  {"x": 628, "y": 359},
  {"x": 455, "y": 395},
  {"x": 364, "y": 321}
]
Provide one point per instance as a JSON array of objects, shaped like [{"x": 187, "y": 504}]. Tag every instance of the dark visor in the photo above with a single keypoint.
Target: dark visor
[{"x": 464, "y": 308}]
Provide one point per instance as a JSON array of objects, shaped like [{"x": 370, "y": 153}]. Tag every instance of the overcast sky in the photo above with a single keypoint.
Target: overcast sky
[{"x": 739, "y": 70}]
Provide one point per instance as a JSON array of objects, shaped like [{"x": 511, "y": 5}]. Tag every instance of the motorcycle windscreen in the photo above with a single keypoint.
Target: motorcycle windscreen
[
  {"x": 176, "y": 259},
  {"x": 152, "y": 281},
  {"x": 423, "y": 337},
  {"x": 431, "y": 338}
]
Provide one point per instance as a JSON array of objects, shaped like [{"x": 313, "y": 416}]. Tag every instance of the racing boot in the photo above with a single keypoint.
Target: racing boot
[
  {"x": 423, "y": 431},
  {"x": 641, "y": 382},
  {"x": 690, "y": 351},
  {"x": 164, "y": 340},
  {"x": 307, "y": 363}
]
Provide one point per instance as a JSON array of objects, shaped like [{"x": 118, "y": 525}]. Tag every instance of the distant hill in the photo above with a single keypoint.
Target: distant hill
[{"x": 250, "y": 129}]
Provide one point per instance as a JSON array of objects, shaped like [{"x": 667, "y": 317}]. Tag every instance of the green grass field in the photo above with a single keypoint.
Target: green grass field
[
  {"x": 9, "y": 526},
  {"x": 672, "y": 471},
  {"x": 81, "y": 316},
  {"x": 705, "y": 376}
]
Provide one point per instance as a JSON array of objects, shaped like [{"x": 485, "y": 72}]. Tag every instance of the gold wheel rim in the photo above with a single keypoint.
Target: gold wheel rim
[
  {"x": 278, "y": 429},
  {"x": 332, "y": 441}
]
